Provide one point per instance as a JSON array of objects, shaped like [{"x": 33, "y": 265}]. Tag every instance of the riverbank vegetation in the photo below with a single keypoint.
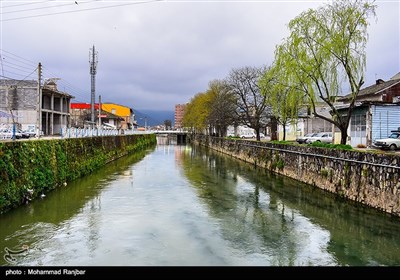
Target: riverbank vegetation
[{"x": 28, "y": 169}]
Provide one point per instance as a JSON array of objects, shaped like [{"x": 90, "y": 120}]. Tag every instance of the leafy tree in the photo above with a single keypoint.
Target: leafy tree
[
  {"x": 222, "y": 111},
  {"x": 283, "y": 101},
  {"x": 196, "y": 113},
  {"x": 250, "y": 103},
  {"x": 325, "y": 52}
]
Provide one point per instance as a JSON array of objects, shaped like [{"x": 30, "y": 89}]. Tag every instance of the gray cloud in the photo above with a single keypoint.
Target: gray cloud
[{"x": 155, "y": 55}]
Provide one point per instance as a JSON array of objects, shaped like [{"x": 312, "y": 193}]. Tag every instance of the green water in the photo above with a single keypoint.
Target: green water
[{"x": 182, "y": 205}]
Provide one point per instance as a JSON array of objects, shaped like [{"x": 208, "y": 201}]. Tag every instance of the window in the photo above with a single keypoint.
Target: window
[{"x": 358, "y": 125}]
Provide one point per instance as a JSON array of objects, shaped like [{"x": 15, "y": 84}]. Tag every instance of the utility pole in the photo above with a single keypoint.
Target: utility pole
[
  {"x": 93, "y": 69},
  {"x": 39, "y": 101},
  {"x": 99, "y": 111}
]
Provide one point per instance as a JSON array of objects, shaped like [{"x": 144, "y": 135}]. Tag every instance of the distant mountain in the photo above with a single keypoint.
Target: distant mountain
[{"x": 153, "y": 117}]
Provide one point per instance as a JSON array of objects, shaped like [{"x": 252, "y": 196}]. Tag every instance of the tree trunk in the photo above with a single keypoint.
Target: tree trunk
[
  {"x": 274, "y": 129},
  {"x": 284, "y": 132},
  {"x": 343, "y": 137}
]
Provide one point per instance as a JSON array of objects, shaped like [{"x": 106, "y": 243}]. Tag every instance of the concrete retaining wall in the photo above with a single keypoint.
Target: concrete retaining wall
[{"x": 369, "y": 178}]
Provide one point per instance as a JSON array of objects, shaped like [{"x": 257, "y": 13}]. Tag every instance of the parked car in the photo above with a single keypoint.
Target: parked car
[
  {"x": 324, "y": 137},
  {"x": 391, "y": 143},
  {"x": 8, "y": 134},
  {"x": 31, "y": 132},
  {"x": 303, "y": 139},
  {"x": 24, "y": 134},
  {"x": 248, "y": 135}
]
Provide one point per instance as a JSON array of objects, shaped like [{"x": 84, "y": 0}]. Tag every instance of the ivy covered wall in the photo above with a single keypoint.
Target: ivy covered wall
[{"x": 31, "y": 168}]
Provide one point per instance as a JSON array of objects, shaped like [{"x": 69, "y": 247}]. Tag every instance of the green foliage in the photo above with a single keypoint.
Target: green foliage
[
  {"x": 325, "y": 49},
  {"x": 197, "y": 111},
  {"x": 281, "y": 142},
  {"x": 324, "y": 172},
  {"x": 284, "y": 101},
  {"x": 330, "y": 146},
  {"x": 43, "y": 165},
  {"x": 280, "y": 164}
]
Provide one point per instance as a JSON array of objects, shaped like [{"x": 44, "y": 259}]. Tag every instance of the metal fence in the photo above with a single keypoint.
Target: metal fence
[
  {"x": 80, "y": 133},
  {"x": 94, "y": 132}
]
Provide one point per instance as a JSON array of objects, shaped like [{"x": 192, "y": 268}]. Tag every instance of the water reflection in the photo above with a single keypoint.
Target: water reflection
[
  {"x": 183, "y": 205},
  {"x": 32, "y": 223},
  {"x": 290, "y": 222}
]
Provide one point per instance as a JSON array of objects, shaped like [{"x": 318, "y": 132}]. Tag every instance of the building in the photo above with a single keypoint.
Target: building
[
  {"x": 124, "y": 112},
  {"x": 179, "y": 112},
  {"x": 376, "y": 112},
  {"x": 306, "y": 123},
  {"x": 20, "y": 98},
  {"x": 81, "y": 116}
]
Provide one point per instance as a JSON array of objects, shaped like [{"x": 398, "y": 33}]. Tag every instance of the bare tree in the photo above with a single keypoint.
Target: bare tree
[{"x": 251, "y": 107}]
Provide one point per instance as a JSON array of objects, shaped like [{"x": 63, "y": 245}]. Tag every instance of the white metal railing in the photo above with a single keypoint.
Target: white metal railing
[{"x": 93, "y": 132}]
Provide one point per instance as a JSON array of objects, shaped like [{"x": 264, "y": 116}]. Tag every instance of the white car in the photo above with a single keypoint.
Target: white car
[
  {"x": 303, "y": 139},
  {"x": 391, "y": 143},
  {"x": 8, "y": 134},
  {"x": 248, "y": 135},
  {"x": 324, "y": 137}
]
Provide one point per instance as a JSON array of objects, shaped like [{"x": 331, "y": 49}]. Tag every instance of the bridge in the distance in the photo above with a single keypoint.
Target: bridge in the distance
[{"x": 171, "y": 135}]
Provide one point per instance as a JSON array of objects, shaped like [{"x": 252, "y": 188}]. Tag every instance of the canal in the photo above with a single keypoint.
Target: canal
[{"x": 182, "y": 205}]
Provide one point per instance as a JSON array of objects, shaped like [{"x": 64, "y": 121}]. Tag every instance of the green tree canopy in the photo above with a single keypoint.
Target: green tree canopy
[
  {"x": 324, "y": 55},
  {"x": 284, "y": 103},
  {"x": 197, "y": 111}
]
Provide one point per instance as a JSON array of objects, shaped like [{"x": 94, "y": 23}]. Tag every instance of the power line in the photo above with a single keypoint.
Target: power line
[
  {"x": 19, "y": 66},
  {"x": 16, "y": 68},
  {"x": 81, "y": 10},
  {"x": 21, "y": 75},
  {"x": 9, "y": 60},
  {"x": 77, "y": 92},
  {"x": 31, "y": 63},
  {"x": 30, "y": 3},
  {"x": 49, "y": 7}
]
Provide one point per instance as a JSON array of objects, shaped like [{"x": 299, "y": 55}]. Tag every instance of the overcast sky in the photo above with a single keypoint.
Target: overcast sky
[{"x": 155, "y": 54}]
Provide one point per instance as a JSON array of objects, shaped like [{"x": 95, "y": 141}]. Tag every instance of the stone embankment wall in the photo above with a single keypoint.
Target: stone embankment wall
[
  {"x": 372, "y": 179},
  {"x": 31, "y": 168}
]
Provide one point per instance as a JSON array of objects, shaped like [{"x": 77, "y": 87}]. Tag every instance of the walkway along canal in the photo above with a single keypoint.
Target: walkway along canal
[{"x": 187, "y": 205}]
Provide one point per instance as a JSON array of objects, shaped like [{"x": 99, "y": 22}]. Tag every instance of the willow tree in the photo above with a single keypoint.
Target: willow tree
[
  {"x": 283, "y": 100},
  {"x": 324, "y": 54}
]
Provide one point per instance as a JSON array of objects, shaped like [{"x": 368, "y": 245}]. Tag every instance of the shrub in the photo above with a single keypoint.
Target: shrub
[{"x": 331, "y": 146}]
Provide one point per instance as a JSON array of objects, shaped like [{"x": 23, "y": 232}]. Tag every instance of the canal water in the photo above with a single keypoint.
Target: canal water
[{"x": 180, "y": 205}]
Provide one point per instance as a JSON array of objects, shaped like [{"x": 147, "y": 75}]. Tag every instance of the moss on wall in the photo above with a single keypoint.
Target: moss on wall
[
  {"x": 372, "y": 179},
  {"x": 30, "y": 168}
]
